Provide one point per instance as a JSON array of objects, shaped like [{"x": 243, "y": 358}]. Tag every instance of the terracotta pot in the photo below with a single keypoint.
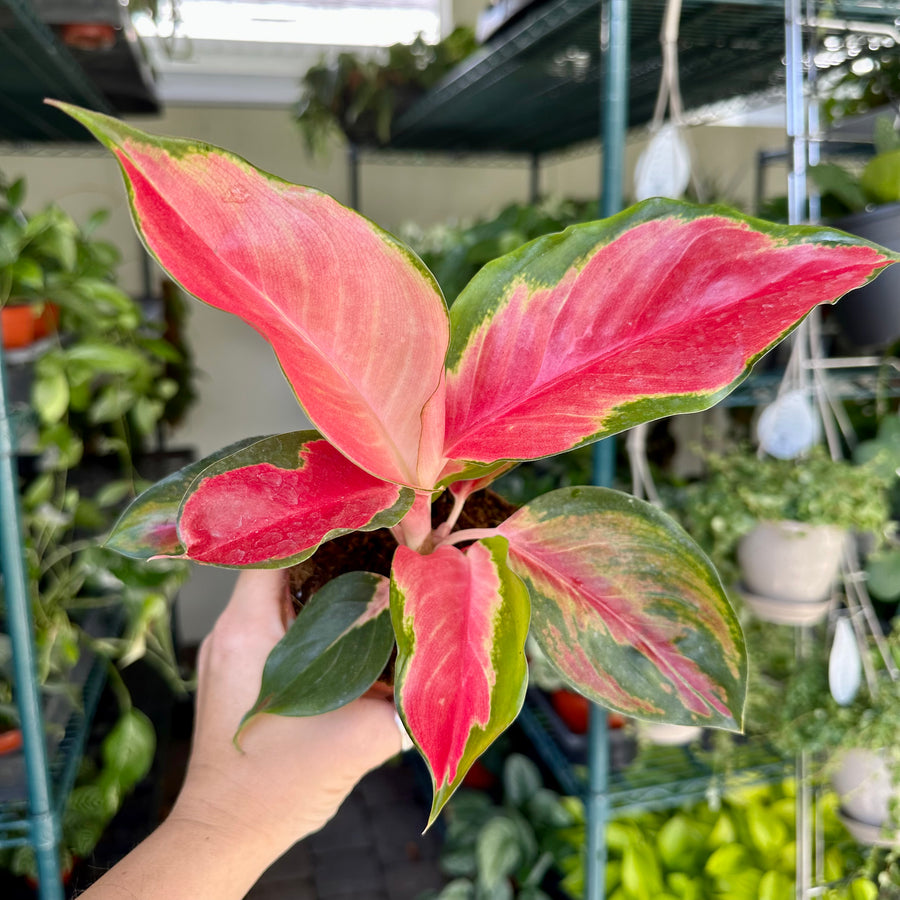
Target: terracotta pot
[
  {"x": 573, "y": 709},
  {"x": 10, "y": 741},
  {"x": 790, "y": 565},
  {"x": 18, "y": 326},
  {"x": 88, "y": 35}
]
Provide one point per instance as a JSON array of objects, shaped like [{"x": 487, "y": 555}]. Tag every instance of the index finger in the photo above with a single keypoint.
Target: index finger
[{"x": 259, "y": 597}]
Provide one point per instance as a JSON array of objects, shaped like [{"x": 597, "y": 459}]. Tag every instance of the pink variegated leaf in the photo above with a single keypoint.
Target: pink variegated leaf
[
  {"x": 661, "y": 309},
  {"x": 273, "y": 503},
  {"x": 345, "y": 628},
  {"x": 461, "y": 619},
  {"x": 627, "y": 608},
  {"x": 149, "y": 525},
  {"x": 356, "y": 320}
]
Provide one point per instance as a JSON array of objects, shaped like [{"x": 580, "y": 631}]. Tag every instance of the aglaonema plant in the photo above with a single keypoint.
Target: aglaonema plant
[{"x": 659, "y": 310}]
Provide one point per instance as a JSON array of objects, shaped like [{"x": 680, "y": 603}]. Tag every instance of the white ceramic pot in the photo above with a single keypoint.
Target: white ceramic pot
[
  {"x": 668, "y": 735},
  {"x": 791, "y": 561},
  {"x": 864, "y": 785}
]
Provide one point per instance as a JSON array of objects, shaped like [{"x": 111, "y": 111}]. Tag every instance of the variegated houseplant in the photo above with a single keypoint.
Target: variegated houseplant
[{"x": 573, "y": 337}]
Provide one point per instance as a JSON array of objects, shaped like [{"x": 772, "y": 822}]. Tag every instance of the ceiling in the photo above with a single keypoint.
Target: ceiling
[{"x": 235, "y": 52}]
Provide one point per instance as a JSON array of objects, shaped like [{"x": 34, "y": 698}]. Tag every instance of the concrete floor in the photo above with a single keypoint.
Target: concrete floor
[{"x": 373, "y": 849}]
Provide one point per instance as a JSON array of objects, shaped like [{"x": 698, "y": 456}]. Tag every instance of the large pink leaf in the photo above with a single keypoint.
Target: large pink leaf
[
  {"x": 356, "y": 320},
  {"x": 273, "y": 503},
  {"x": 627, "y": 608},
  {"x": 461, "y": 619},
  {"x": 659, "y": 310}
]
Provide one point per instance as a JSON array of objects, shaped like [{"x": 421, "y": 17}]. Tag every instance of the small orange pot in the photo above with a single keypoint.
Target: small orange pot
[
  {"x": 10, "y": 741},
  {"x": 18, "y": 326}
]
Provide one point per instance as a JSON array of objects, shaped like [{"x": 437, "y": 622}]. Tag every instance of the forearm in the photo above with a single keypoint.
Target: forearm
[{"x": 188, "y": 859}]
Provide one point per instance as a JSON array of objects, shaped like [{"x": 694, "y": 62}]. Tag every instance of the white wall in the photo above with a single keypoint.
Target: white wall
[{"x": 242, "y": 391}]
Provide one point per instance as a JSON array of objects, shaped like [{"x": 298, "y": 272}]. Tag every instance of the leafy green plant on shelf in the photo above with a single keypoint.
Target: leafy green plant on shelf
[
  {"x": 360, "y": 97},
  {"x": 100, "y": 389},
  {"x": 455, "y": 252},
  {"x": 847, "y": 190},
  {"x": 742, "y": 489},
  {"x": 792, "y": 706},
  {"x": 739, "y": 844},
  {"x": 123, "y": 759},
  {"x": 883, "y": 564},
  {"x": 506, "y": 849}
]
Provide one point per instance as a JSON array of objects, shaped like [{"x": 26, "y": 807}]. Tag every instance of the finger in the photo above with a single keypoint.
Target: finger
[{"x": 257, "y": 597}]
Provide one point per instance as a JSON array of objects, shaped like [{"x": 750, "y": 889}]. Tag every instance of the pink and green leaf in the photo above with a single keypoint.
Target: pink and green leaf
[
  {"x": 627, "y": 608},
  {"x": 461, "y": 618},
  {"x": 659, "y": 310},
  {"x": 273, "y": 503},
  {"x": 356, "y": 320},
  {"x": 345, "y": 628},
  {"x": 148, "y": 527}
]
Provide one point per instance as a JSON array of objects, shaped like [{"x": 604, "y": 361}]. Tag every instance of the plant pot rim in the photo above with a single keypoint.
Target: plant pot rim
[{"x": 785, "y": 612}]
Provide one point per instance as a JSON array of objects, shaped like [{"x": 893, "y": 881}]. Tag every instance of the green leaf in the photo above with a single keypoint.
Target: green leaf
[
  {"x": 521, "y": 780},
  {"x": 51, "y": 397},
  {"x": 883, "y": 574},
  {"x": 146, "y": 414},
  {"x": 775, "y": 885},
  {"x": 15, "y": 193},
  {"x": 545, "y": 809},
  {"x": 881, "y": 177},
  {"x": 497, "y": 852},
  {"x": 39, "y": 491},
  {"x": 726, "y": 860},
  {"x": 344, "y": 628},
  {"x": 112, "y": 402},
  {"x": 458, "y": 889},
  {"x": 641, "y": 875},
  {"x": 128, "y": 749},
  {"x": 835, "y": 180},
  {"x": 103, "y": 357}
]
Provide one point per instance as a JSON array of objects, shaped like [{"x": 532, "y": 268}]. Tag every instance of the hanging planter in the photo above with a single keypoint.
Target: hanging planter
[
  {"x": 867, "y": 790},
  {"x": 776, "y": 528},
  {"x": 870, "y": 316},
  {"x": 664, "y": 735},
  {"x": 788, "y": 570}
]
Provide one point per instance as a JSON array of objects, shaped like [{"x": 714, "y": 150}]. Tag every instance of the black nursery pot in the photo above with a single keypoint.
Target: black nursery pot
[{"x": 870, "y": 317}]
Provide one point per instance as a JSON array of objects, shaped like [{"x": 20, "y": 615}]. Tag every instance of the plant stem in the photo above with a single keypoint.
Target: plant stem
[
  {"x": 468, "y": 534},
  {"x": 415, "y": 528}
]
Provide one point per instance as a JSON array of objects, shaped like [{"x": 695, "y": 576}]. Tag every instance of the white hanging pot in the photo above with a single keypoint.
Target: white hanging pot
[
  {"x": 864, "y": 785},
  {"x": 664, "y": 168},
  {"x": 668, "y": 735},
  {"x": 788, "y": 570}
]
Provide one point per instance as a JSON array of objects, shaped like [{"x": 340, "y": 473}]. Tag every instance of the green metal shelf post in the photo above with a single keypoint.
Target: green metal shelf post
[
  {"x": 43, "y": 826},
  {"x": 614, "y": 40}
]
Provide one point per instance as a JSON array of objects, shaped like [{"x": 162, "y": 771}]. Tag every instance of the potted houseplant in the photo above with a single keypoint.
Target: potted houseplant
[
  {"x": 868, "y": 204},
  {"x": 99, "y": 389},
  {"x": 411, "y": 402},
  {"x": 361, "y": 96},
  {"x": 780, "y": 525},
  {"x": 854, "y": 743},
  {"x": 37, "y": 254}
]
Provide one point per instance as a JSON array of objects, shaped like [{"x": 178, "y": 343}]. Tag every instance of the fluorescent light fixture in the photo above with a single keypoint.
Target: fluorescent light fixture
[{"x": 357, "y": 23}]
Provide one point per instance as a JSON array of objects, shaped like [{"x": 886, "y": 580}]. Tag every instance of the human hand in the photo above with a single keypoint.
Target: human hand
[{"x": 290, "y": 775}]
